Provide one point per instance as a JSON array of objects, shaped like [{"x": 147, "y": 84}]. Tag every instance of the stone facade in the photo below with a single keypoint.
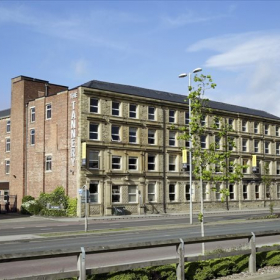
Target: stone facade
[{"x": 133, "y": 154}]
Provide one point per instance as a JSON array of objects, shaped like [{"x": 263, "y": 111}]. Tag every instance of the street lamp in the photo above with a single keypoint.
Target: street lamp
[{"x": 190, "y": 141}]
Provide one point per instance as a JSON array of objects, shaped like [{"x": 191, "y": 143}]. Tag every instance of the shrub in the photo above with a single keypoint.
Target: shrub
[
  {"x": 53, "y": 212},
  {"x": 27, "y": 198},
  {"x": 57, "y": 197},
  {"x": 32, "y": 207},
  {"x": 72, "y": 207}
]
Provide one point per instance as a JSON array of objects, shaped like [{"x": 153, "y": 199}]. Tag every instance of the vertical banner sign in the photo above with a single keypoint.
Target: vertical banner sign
[
  {"x": 73, "y": 128},
  {"x": 184, "y": 156},
  {"x": 84, "y": 153},
  {"x": 254, "y": 163}
]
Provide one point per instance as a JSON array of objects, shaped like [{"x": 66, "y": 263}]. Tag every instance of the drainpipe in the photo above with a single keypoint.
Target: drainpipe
[
  {"x": 26, "y": 147},
  {"x": 164, "y": 160}
]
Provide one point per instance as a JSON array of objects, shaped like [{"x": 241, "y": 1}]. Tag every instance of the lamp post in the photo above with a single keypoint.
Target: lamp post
[{"x": 190, "y": 141}]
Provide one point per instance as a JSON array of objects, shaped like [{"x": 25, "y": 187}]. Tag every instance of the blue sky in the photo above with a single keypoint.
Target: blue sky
[{"x": 146, "y": 44}]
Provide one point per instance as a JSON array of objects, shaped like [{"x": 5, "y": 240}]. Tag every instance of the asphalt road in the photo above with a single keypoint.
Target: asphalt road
[{"x": 41, "y": 225}]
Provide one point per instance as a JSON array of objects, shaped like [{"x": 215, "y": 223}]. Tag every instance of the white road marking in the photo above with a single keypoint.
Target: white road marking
[
  {"x": 18, "y": 227},
  {"x": 45, "y": 228}
]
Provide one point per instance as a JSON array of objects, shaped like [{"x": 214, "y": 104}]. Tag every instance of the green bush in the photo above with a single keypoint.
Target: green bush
[
  {"x": 27, "y": 198},
  {"x": 57, "y": 197},
  {"x": 53, "y": 212},
  {"x": 72, "y": 207},
  {"x": 32, "y": 207}
]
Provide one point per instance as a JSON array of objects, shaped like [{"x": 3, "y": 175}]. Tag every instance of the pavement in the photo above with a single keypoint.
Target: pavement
[{"x": 13, "y": 217}]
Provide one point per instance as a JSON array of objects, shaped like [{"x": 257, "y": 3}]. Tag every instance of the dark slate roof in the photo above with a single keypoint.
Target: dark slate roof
[
  {"x": 5, "y": 113},
  {"x": 167, "y": 96}
]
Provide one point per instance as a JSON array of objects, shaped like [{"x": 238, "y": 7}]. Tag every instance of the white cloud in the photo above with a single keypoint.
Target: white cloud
[
  {"x": 80, "y": 67},
  {"x": 255, "y": 57}
]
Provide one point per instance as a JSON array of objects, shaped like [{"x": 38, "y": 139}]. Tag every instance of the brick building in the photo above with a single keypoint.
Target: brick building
[{"x": 132, "y": 157}]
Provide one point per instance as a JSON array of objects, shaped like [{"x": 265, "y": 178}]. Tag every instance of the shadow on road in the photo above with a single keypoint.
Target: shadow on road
[{"x": 5, "y": 216}]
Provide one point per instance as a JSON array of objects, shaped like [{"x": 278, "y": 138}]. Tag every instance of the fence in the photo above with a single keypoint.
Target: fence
[
  {"x": 8, "y": 203},
  {"x": 82, "y": 271}
]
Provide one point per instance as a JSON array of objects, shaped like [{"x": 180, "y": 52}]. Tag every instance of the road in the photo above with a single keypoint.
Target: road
[{"x": 149, "y": 229}]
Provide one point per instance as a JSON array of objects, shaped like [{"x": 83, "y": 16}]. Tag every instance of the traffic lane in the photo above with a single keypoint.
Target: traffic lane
[
  {"x": 26, "y": 268},
  {"x": 55, "y": 226},
  {"x": 132, "y": 237}
]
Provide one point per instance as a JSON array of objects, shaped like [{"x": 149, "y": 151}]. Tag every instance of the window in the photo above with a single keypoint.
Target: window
[
  {"x": 217, "y": 142},
  {"x": 116, "y": 194},
  {"x": 204, "y": 189},
  {"x": 115, "y": 133},
  {"x": 172, "y": 163},
  {"x": 230, "y": 122},
  {"x": 266, "y": 129},
  {"x": 277, "y": 131},
  {"x": 48, "y": 111},
  {"x": 8, "y": 144},
  {"x": 244, "y": 126},
  {"x": 256, "y": 127},
  {"x": 48, "y": 163},
  {"x": 151, "y": 113},
  {"x": 277, "y": 148},
  {"x": 8, "y": 126},
  {"x": 217, "y": 122},
  {"x": 132, "y": 194},
  {"x": 218, "y": 191},
  {"x": 7, "y": 166},
  {"x": 187, "y": 117},
  {"x": 203, "y": 141},
  {"x": 132, "y": 111},
  {"x": 218, "y": 168},
  {"x": 245, "y": 164},
  {"x": 278, "y": 191},
  {"x": 231, "y": 143},
  {"x": 231, "y": 165},
  {"x": 245, "y": 192},
  {"x": 94, "y": 105},
  {"x": 93, "y": 131},
  {"x": 32, "y": 114},
  {"x": 231, "y": 191},
  {"x": 151, "y": 162},
  {"x": 93, "y": 191},
  {"x": 132, "y": 135},
  {"x": 266, "y": 147},
  {"x": 267, "y": 191},
  {"x": 256, "y": 146},
  {"x": 151, "y": 136},
  {"x": 115, "y": 108},
  {"x": 172, "y": 194},
  {"x": 244, "y": 145},
  {"x": 187, "y": 192},
  {"x": 151, "y": 192},
  {"x": 132, "y": 163},
  {"x": 116, "y": 162},
  {"x": 32, "y": 136},
  {"x": 172, "y": 140},
  {"x": 93, "y": 159},
  {"x": 172, "y": 116},
  {"x": 187, "y": 143},
  {"x": 278, "y": 168},
  {"x": 257, "y": 191},
  {"x": 203, "y": 121}
]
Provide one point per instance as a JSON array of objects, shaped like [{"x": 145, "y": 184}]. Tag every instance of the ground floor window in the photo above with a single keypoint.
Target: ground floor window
[
  {"x": 231, "y": 192},
  {"x": 188, "y": 192},
  {"x": 152, "y": 192},
  {"x": 132, "y": 193},
  {"x": 267, "y": 191},
  {"x": 218, "y": 191},
  {"x": 257, "y": 191},
  {"x": 116, "y": 194},
  {"x": 93, "y": 191},
  {"x": 172, "y": 192},
  {"x": 245, "y": 192}
]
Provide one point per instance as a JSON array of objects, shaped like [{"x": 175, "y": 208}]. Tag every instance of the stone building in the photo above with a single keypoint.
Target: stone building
[{"x": 121, "y": 142}]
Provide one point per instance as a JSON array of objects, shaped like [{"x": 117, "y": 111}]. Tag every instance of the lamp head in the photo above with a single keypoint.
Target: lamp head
[
  {"x": 183, "y": 75},
  {"x": 197, "y": 70}
]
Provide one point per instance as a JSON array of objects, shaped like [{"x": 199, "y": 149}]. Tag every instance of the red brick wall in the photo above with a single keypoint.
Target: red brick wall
[
  {"x": 25, "y": 90},
  {"x": 3, "y": 154}
]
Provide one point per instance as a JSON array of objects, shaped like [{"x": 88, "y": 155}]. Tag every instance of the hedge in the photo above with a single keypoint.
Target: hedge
[{"x": 202, "y": 270}]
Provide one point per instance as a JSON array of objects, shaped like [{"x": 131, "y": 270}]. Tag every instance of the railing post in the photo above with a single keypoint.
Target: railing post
[
  {"x": 82, "y": 264},
  {"x": 180, "y": 268},
  {"x": 252, "y": 258}
]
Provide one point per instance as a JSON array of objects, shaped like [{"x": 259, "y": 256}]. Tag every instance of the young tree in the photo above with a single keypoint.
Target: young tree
[
  {"x": 210, "y": 164},
  {"x": 267, "y": 180}
]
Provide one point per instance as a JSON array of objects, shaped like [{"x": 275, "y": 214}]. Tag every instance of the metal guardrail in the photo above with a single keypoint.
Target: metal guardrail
[{"x": 82, "y": 271}]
